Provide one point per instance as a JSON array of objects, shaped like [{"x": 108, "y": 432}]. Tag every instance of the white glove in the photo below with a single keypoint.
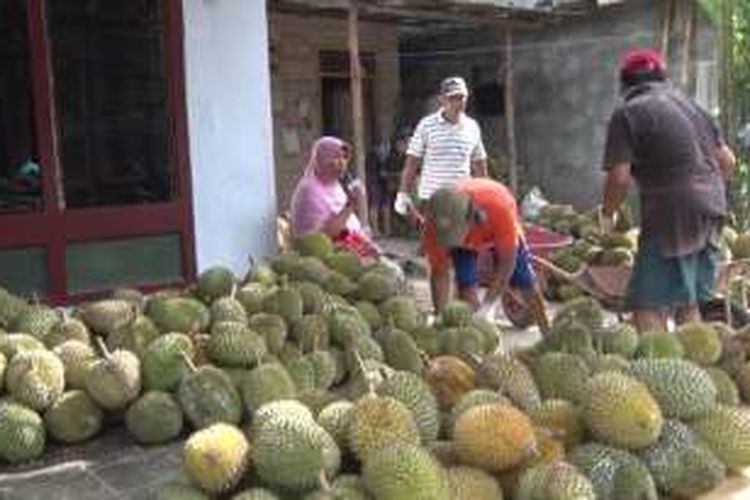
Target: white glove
[
  {"x": 403, "y": 204},
  {"x": 607, "y": 223}
]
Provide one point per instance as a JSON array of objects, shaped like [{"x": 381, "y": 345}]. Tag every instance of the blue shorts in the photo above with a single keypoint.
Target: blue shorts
[{"x": 465, "y": 268}]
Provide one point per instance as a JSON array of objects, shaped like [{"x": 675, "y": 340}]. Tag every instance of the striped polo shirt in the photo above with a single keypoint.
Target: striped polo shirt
[{"x": 446, "y": 149}]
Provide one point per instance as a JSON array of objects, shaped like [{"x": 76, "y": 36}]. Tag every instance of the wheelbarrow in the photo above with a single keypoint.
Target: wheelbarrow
[{"x": 609, "y": 285}]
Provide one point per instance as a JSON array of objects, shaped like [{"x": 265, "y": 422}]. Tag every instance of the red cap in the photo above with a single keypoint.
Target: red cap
[{"x": 637, "y": 60}]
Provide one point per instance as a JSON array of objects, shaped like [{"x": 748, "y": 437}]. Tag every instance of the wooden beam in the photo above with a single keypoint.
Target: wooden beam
[
  {"x": 510, "y": 118},
  {"x": 357, "y": 107}
]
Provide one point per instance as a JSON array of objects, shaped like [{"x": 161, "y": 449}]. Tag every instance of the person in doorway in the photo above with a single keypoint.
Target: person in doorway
[
  {"x": 680, "y": 163},
  {"x": 445, "y": 148},
  {"x": 321, "y": 202},
  {"x": 470, "y": 217}
]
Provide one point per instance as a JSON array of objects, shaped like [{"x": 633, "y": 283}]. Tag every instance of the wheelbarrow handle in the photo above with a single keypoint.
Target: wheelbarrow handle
[{"x": 577, "y": 279}]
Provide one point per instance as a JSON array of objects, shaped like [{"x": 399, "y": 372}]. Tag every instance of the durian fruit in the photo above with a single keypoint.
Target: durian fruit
[
  {"x": 620, "y": 339},
  {"x": 37, "y": 320},
  {"x": 427, "y": 339},
  {"x": 261, "y": 273},
  {"x": 285, "y": 301},
  {"x": 236, "y": 345},
  {"x": 214, "y": 282},
  {"x": 313, "y": 297},
  {"x": 726, "y": 431},
  {"x": 468, "y": 483},
  {"x": 255, "y": 494},
  {"x": 561, "y": 375},
  {"x": 456, "y": 313},
  {"x": 400, "y": 350},
  {"x": 114, "y": 380},
  {"x": 135, "y": 336},
  {"x": 405, "y": 472},
  {"x": 682, "y": 388},
  {"x": 207, "y": 396},
  {"x": 450, "y": 378},
  {"x": 132, "y": 295},
  {"x": 680, "y": 464},
  {"x": 77, "y": 358},
  {"x": 345, "y": 324},
  {"x": 154, "y": 418},
  {"x": 563, "y": 419},
  {"x": 475, "y": 397},
  {"x": 584, "y": 310},
  {"x": 107, "y": 316},
  {"x": 380, "y": 421},
  {"x": 11, "y": 307},
  {"x": 35, "y": 378},
  {"x": 13, "y": 343},
  {"x": 510, "y": 376},
  {"x": 411, "y": 390},
  {"x": 284, "y": 408},
  {"x": 317, "y": 399},
  {"x": 465, "y": 341},
  {"x": 344, "y": 487},
  {"x": 316, "y": 244},
  {"x": 228, "y": 308},
  {"x": 302, "y": 372},
  {"x": 310, "y": 332},
  {"x": 375, "y": 286},
  {"x": 345, "y": 262},
  {"x": 178, "y": 314},
  {"x": 66, "y": 328},
  {"x": 659, "y": 345},
  {"x": 619, "y": 410},
  {"x": 727, "y": 391},
  {"x": 251, "y": 297},
  {"x": 266, "y": 383},
  {"x": 491, "y": 334},
  {"x": 554, "y": 481},
  {"x": 339, "y": 284},
  {"x": 163, "y": 363},
  {"x": 370, "y": 313},
  {"x": 494, "y": 437},
  {"x": 402, "y": 312},
  {"x": 598, "y": 363},
  {"x": 336, "y": 418},
  {"x": 324, "y": 368},
  {"x": 290, "y": 452},
  {"x": 614, "y": 473},
  {"x": 73, "y": 417},
  {"x": 215, "y": 458},
  {"x": 308, "y": 268},
  {"x": 700, "y": 342},
  {"x": 22, "y": 434}
]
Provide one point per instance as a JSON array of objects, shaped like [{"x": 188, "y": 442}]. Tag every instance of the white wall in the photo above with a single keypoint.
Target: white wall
[{"x": 231, "y": 133}]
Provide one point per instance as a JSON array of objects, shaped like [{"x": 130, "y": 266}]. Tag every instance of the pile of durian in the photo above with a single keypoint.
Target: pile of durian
[{"x": 316, "y": 377}]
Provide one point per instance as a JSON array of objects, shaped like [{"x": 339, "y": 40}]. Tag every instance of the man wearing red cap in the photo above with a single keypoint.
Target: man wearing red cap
[{"x": 680, "y": 163}]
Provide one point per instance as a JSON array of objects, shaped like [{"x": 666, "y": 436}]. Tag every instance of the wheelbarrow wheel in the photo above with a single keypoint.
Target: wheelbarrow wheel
[{"x": 517, "y": 310}]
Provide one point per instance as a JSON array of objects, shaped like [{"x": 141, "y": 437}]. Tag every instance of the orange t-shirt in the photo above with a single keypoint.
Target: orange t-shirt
[{"x": 501, "y": 229}]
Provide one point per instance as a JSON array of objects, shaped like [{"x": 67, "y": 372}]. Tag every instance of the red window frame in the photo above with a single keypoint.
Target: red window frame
[{"x": 55, "y": 227}]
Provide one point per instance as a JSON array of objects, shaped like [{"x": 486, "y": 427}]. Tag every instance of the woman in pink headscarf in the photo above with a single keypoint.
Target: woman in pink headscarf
[{"x": 320, "y": 202}]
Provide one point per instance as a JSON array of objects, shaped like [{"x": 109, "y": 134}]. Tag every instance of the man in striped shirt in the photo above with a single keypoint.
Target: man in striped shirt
[{"x": 446, "y": 147}]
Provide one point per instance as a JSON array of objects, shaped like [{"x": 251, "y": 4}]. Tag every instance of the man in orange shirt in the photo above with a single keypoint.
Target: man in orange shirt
[{"x": 462, "y": 221}]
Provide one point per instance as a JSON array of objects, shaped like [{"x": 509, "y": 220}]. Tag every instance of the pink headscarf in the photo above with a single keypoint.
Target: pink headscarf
[{"x": 319, "y": 195}]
